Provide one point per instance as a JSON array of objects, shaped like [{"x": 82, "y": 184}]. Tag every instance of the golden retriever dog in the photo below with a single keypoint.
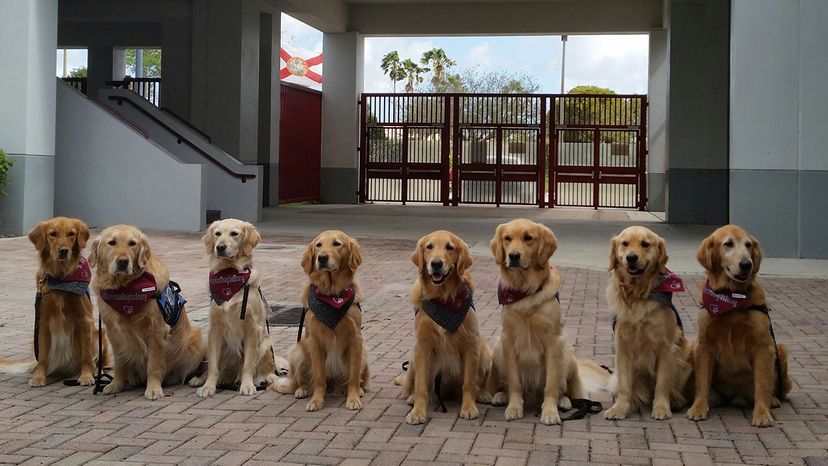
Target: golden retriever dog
[
  {"x": 532, "y": 358},
  {"x": 66, "y": 340},
  {"x": 653, "y": 360},
  {"x": 238, "y": 345},
  {"x": 332, "y": 350},
  {"x": 736, "y": 352},
  {"x": 129, "y": 281},
  {"x": 447, "y": 336}
]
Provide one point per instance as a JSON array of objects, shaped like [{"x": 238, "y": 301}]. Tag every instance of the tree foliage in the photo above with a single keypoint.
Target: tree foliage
[
  {"x": 439, "y": 62},
  {"x": 392, "y": 66},
  {"x": 152, "y": 62},
  {"x": 6, "y": 164},
  {"x": 80, "y": 72},
  {"x": 413, "y": 74}
]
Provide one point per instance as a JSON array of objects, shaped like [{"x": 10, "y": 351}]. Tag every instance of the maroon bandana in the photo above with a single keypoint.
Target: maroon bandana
[
  {"x": 510, "y": 295},
  {"x": 131, "y": 299},
  {"x": 336, "y": 301},
  {"x": 720, "y": 303},
  {"x": 226, "y": 283},
  {"x": 81, "y": 274},
  {"x": 669, "y": 283}
]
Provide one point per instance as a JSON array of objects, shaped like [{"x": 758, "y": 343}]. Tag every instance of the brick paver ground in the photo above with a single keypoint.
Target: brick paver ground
[{"x": 70, "y": 425}]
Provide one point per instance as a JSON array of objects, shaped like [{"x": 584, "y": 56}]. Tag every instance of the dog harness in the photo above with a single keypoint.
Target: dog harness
[
  {"x": 667, "y": 284},
  {"x": 449, "y": 313},
  {"x": 132, "y": 298},
  {"x": 330, "y": 309},
  {"x": 224, "y": 284},
  {"x": 513, "y": 295},
  {"x": 76, "y": 282}
]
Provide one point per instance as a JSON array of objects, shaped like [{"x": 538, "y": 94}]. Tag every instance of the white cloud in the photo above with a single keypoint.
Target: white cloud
[{"x": 479, "y": 55}]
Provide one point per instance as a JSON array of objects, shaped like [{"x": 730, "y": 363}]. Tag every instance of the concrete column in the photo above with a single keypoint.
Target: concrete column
[
  {"x": 657, "y": 94},
  {"x": 340, "y": 117},
  {"x": 28, "y": 40},
  {"x": 176, "y": 65},
  {"x": 697, "y": 109},
  {"x": 105, "y": 63},
  {"x": 779, "y": 112},
  {"x": 269, "y": 98}
]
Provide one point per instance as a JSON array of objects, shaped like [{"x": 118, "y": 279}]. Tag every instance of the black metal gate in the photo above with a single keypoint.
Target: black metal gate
[{"x": 496, "y": 148}]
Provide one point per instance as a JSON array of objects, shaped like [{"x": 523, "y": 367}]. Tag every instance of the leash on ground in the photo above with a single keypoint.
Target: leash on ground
[{"x": 438, "y": 382}]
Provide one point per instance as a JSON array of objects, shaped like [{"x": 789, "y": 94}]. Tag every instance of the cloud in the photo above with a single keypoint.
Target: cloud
[
  {"x": 376, "y": 48},
  {"x": 479, "y": 55}
]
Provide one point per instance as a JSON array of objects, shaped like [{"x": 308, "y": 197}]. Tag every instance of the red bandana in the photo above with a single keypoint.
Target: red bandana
[
  {"x": 226, "y": 283},
  {"x": 510, "y": 295},
  {"x": 131, "y": 299},
  {"x": 669, "y": 283},
  {"x": 459, "y": 303},
  {"x": 336, "y": 301},
  {"x": 720, "y": 303},
  {"x": 81, "y": 274}
]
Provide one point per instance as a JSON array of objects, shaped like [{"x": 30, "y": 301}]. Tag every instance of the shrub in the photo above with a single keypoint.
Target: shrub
[{"x": 6, "y": 163}]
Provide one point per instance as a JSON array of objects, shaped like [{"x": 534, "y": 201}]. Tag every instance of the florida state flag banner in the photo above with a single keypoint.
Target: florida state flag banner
[{"x": 295, "y": 65}]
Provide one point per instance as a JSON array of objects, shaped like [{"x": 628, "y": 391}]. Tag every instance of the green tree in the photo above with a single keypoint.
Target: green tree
[
  {"x": 596, "y": 111},
  {"x": 413, "y": 74},
  {"x": 6, "y": 164},
  {"x": 439, "y": 62},
  {"x": 78, "y": 72},
  {"x": 392, "y": 66},
  {"x": 152, "y": 62}
]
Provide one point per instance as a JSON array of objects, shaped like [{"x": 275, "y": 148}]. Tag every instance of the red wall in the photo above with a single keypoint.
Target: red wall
[{"x": 300, "y": 144}]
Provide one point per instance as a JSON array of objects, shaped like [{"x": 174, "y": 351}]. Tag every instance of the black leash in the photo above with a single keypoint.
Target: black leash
[
  {"x": 102, "y": 379},
  {"x": 779, "y": 387},
  {"x": 582, "y": 407},
  {"x": 244, "y": 301},
  {"x": 438, "y": 382}
]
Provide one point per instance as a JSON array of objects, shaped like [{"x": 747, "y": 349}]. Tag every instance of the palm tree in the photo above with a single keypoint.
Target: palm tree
[
  {"x": 412, "y": 74},
  {"x": 392, "y": 66},
  {"x": 439, "y": 62}
]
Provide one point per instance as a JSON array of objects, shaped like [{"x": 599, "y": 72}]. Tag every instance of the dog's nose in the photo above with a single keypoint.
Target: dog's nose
[
  {"x": 221, "y": 248},
  {"x": 514, "y": 256},
  {"x": 323, "y": 258},
  {"x": 122, "y": 263},
  {"x": 63, "y": 252},
  {"x": 437, "y": 264},
  {"x": 745, "y": 265},
  {"x": 632, "y": 258}
]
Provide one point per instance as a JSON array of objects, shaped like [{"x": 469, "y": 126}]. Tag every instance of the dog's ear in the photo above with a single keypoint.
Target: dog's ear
[
  {"x": 755, "y": 253},
  {"x": 707, "y": 249},
  {"x": 94, "y": 254},
  {"x": 417, "y": 257},
  {"x": 250, "y": 238},
  {"x": 83, "y": 234},
  {"x": 613, "y": 255},
  {"x": 209, "y": 238},
  {"x": 548, "y": 244},
  {"x": 662, "y": 254},
  {"x": 38, "y": 236},
  {"x": 497, "y": 246},
  {"x": 464, "y": 258},
  {"x": 354, "y": 255},
  {"x": 144, "y": 252},
  {"x": 307, "y": 257}
]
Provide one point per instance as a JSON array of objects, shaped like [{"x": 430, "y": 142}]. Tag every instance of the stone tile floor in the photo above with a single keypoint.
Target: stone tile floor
[{"x": 70, "y": 425}]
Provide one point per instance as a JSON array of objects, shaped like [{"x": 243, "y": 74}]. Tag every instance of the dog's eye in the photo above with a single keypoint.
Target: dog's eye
[
  {"x": 625, "y": 243},
  {"x": 337, "y": 243},
  {"x": 748, "y": 245},
  {"x": 645, "y": 244},
  {"x": 132, "y": 242},
  {"x": 507, "y": 238},
  {"x": 527, "y": 238},
  {"x": 53, "y": 234},
  {"x": 218, "y": 233},
  {"x": 449, "y": 247},
  {"x": 319, "y": 244},
  {"x": 429, "y": 246},
  {"x": 112, "y": 242},
  {"x": 234, "y": 233},
  {"x": 71, "y": 233},
  {"x": 728, "y": 243}
]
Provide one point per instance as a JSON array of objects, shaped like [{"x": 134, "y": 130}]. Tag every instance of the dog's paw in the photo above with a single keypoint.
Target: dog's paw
[
  {"x": 206, "y": 391},
  {"x": 86, "y": 380},
  {"x": 361, "y": 392},
  {"x": 775, "y": 403},
  {"x": 37, "y": 381},
  {"x": 469, "y": 411},
  {"x": 153, "y": 393},
  {"x": 513, "y": 411},
  {"x": 353, "y": 403},
  {"x": 196, "y": 381},
  {"x": 565, "y": 403},
  {"x": 550, "y": 416},
  {"x": 271, "y": 379},
  {"x": 697, "y": 412},
  {"x": 661, "y": 412},
  {"x": 410, "y": 400},
  {"x": 315, "y": 404},
  {"x": 500, "y": 399},
  {"x": 761, "y": 418},
  {"x": 484, "y": 397},
  {"x": 300, "y": 393},
  {"x": 416, "y": 416},
  {"x": 113, "y": 387},
  {"x": 616, "y": 412},
  {"x": 247, "y": 389}
]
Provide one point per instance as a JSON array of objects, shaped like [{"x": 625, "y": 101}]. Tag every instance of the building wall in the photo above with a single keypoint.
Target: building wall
[{"x": 779, "y": 112}]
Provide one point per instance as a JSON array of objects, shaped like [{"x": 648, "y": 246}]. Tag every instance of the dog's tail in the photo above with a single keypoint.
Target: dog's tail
[
  {"x": 285, "y": 385},
  {"x": 594, "y": 378},
  {"x": 12, "y": 366}
]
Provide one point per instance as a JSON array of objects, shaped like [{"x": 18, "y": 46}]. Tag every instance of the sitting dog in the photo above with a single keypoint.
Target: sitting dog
[
  {"x": 238, "y": 344},
  {"x": 736, "y": 353},
  {"x": 65, "y": 339},
  {"x": 332, "y": 350},
  {"x": 152, "y": 344},
  {"x": 653, "y": 360},
  {"x": 532, "y": 357},
  {"x": 447, "y": 336}
]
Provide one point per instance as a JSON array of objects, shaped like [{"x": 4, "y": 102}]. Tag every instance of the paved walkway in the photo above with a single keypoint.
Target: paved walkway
[{"x": 69, "y": 425}]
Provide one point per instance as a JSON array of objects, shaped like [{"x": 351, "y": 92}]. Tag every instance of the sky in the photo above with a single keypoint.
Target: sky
[{"x": 618, "y": 62}]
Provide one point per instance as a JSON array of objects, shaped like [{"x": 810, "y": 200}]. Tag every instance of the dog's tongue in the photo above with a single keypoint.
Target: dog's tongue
[{"x": 436, "y": 277}]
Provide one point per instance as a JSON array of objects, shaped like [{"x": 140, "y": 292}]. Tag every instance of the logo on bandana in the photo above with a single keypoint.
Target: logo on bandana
[
  {"x": 132, "y": 298},
  {"x": 224, "y": 284},
  {"x": 720, "y": 303}
]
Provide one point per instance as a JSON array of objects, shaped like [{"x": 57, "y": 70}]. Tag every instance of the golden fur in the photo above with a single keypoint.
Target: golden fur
[
  {"x": 653, "y": 360},
  {"x": 326, "y": 355},
  {"x": 67, "y": 337},
  {"x": 146, "y": 349},
  {"x": 238, "y": 351},
  {"x": 735, "y": 352},
  {"x": 463, "y": 357},
  {"x": 532, "y": 357}
]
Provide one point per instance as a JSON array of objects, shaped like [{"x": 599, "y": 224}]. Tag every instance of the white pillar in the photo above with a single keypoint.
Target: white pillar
[
  {"x": 658, "y": 85},
  {"x": 340, "y": 117},
  {"x": 28, "y": 40}
]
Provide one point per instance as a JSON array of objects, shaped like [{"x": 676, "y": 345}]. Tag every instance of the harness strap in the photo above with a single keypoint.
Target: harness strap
[
  {"x": 244, "y": 301},
  {"x": 779, "y": 388}
]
